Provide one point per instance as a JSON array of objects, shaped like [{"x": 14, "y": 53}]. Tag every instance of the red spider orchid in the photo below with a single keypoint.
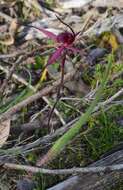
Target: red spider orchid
[{"x": 64, "y": 43}]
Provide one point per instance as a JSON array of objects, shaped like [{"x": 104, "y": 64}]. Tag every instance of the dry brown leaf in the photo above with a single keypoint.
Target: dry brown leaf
[
  {"x": 13, "y": 26},
  {"x": 6, "y": 39},
  {"x": 4, "y": 132}
]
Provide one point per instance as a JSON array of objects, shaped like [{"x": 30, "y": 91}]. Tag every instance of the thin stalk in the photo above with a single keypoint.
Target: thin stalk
[{"x": 59, "y": 90}]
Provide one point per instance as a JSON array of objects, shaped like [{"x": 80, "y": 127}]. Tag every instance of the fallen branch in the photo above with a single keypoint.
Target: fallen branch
[
  {"x": 34, "y": 97},
  {"x": 95, "y": 181},
  {"x": 83, "y": 170}
]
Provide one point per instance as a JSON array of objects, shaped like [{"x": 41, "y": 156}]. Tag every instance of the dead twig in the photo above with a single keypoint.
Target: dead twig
[
  {"x": 34, "y": 97},
  {"x": 6, "y": 17},
  {"x": 108, "y": 101},
  {"x": 41, "y": 141},
  {"x": 98, "y": 169},
  {"x": 14, "y": 54},
  {"x": 9, "y": 75},
  {"x": 18, "y": 78}
]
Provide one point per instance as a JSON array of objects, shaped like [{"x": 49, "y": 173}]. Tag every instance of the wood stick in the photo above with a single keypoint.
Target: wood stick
[
  {"x": 10, "y": 112},
  {"x": 98, "y": 169}
]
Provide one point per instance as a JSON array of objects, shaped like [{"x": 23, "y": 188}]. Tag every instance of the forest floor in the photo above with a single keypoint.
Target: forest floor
[{"x": 29, "y": 90}]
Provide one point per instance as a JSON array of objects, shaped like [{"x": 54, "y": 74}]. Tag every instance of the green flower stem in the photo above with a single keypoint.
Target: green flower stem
[{"x": 71, "y": 133}]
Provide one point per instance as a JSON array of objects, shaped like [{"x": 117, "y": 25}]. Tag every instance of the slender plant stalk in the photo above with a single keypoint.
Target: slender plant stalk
[
  {"x": 59, "y": 90},
  {"x": 71, "y": 133}
]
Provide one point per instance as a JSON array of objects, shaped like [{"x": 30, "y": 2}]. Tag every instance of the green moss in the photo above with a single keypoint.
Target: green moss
[{"x": 105, "y": 132}]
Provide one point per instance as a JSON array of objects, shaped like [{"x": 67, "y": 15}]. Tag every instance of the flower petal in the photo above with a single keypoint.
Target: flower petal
[
  {"x": 55, "y": 55},
  {"x": 46, "y": 32}
]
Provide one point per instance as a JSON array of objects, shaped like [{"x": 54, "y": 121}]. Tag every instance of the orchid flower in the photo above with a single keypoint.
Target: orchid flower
[{"x": 64, "y": 43}]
